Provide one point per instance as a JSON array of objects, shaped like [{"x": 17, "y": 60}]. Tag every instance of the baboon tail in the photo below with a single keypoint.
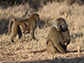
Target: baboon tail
[{"x": 9, "y": 26}]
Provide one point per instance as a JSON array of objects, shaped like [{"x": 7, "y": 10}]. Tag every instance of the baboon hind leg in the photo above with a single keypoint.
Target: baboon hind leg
[
  {"x": 13, "y": 35},
  {"x": 14, "y": 31},
  {"x": 51, "y": 48},
  {"x": 19, "y": 32},
  {"x": 20, "y": 35}
]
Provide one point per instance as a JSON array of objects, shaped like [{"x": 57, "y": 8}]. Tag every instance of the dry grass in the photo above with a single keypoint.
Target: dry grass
[
  {"x": 27, "y": 50},
  {"x": 72, "y": 14},
  {"x": 17, "y": 12}
]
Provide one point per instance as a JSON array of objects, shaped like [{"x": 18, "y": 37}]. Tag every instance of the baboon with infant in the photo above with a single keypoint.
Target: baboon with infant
[
  {"x": 58, "y": 37},
  {"x": 23, "y": 26}
]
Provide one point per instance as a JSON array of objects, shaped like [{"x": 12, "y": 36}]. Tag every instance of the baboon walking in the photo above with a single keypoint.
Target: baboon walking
[{"x": 23, "y": 26}]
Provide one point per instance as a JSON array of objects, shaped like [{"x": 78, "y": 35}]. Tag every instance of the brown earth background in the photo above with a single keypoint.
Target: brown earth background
[{"x": 27, "y": 51}]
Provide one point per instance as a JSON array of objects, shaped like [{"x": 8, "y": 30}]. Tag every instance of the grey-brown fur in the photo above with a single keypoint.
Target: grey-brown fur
[
  {"x": 58, "y": 37},
  {"x": 23, "y": 26}
]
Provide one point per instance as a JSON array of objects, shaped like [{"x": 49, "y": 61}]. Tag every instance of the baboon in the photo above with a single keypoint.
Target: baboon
[
  {"x": 23, "y": 26},
  {"x": 58, "y": 37}
]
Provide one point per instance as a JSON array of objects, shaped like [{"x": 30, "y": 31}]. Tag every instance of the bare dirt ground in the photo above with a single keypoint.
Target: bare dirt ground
[{"x": 27, "y": 51}]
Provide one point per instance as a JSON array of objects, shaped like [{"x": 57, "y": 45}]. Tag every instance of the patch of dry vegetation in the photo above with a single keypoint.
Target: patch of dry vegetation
[
  {"x": 17, "y": 12},
  {"x": 72, "y": 14},
  {"x": 27, "y": 50}
]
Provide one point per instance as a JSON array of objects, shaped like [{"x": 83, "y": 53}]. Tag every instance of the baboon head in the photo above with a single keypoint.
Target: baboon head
[
  {"x": 60, "y": 24},
  {"x": 36, "y": 17}
]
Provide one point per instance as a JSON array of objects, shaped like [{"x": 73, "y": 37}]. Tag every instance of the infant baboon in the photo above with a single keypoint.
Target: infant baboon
[
  {"x": 23, "y": 26},
  {"x": 58, "y": 37}
]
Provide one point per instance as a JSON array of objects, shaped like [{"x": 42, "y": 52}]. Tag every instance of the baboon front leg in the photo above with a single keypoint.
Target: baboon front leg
[
  {"x": 60, "y": 48},
  {"x": 32, "y": 35},
  {"x": 64, "y": 47}
]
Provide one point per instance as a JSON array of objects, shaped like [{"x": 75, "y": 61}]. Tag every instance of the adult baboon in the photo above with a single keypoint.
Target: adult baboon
[
  {"x": 58, "y": 37},
  {"x": 23, "y": 26}
]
